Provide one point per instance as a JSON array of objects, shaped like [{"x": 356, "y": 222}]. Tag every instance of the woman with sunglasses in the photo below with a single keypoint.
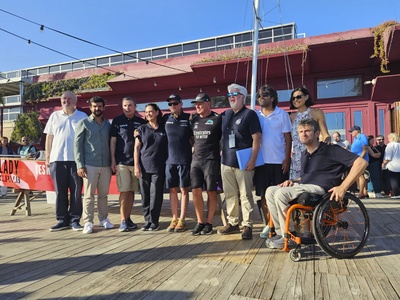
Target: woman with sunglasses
[
  {"x": 301, "y": 101},
  {"x": 150, "y": 155}
]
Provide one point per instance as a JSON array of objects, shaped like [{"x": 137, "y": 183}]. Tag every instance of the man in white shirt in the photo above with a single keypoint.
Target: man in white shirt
[{"x": 60, "y": 134}]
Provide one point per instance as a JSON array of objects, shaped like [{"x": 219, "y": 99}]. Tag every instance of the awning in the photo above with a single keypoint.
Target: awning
[{"x": 386, "y": 88}]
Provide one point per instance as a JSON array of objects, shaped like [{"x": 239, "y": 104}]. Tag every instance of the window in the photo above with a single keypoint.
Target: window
[
  {"x": 77, "y": 65},
  {"x": 284, "y": 95},
  {"x": 66, "y": 67},
  {"x": 103, "y": 61},
  {"x": 116, "y": 60},
  {"x": 54, "y": 69},
  {"x": 11, "y": 114},
  {"x": 336, "y": 122},
  {"x": 381, "y": 122},
  {"x": 339, "y": 87}
]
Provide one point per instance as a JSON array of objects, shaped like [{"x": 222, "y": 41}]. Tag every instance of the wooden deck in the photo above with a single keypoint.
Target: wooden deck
[{"x": 38, "y": 264}]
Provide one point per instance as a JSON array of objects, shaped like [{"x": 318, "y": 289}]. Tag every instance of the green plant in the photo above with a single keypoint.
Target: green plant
[
  {"x": 27, "y": 124},
  {"x": 379, "y": 45}
]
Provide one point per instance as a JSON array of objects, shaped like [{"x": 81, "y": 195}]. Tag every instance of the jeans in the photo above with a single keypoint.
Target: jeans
[{"x": 375, "y": 172}]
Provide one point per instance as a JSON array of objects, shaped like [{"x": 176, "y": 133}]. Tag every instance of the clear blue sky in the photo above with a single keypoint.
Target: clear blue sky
[{"x": 133, "y": 24}]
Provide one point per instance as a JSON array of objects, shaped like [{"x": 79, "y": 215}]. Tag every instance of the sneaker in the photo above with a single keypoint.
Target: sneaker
[
  {"x": 395, "y": 197},
  {"x": 146, "y": 226},
  {"x": 229, "y": 229},
  {"x": 181, "y": 226},
  {"x": 76, "y": 226},
  {"x": 265, "y": 232},
  {"x": 154, "y": 227},
  {"x": 276, "y": 243},
  {"x": 106, "y": 224},
  {"x": 247, "y": 233},
  {"x": 208, "y": 229},
  {"x": 172, "y": 225},
  {"x": 88, "y": 228},
  {"x": 123, "y": 227},
  {"x": 131, "y": 225},
  {"x": 61, "y": 225},
  {"x": 197, "y": 230},
  {"x": 378, "y": 195}
]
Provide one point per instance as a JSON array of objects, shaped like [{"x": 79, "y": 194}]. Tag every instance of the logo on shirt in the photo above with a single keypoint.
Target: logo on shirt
[
  {"x": 238, "y": 121},
  {"x": 210, "y": 122}
]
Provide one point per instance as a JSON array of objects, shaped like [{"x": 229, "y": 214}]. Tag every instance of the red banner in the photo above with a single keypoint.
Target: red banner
[{"x": 31, "y": 175}]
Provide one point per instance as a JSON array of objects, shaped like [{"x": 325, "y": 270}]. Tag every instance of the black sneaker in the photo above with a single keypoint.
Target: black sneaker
[
  {"x": 229, "y": 229},
  {"x": 76, "y": 226},
  {"x": 208, "y": 229},
  {"x": 61, "y": 225},
  {"x": 197, "y": 230},
  {"x": 247, "y": 233},
  {"x": 130, "y": 224},
  {"x": 146, "y": 226},
  {"x": 154, "y": 227}
]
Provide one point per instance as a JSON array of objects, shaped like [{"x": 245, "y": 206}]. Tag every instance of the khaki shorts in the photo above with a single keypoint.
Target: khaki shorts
[{"x": 126, "y": 180}]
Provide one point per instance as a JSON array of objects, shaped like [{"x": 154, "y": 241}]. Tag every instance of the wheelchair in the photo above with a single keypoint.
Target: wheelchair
[{"x": 340, "y": 229}]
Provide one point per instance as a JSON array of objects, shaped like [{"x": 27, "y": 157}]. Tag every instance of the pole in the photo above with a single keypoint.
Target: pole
[{"x": 255, "y": 56}]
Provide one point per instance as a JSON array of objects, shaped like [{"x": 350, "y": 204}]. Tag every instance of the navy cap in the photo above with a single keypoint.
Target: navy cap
[
  {"x": 355, "y": 128},
  {"x": 202, "y": 97},
  {"x": 175, "y": 97}
]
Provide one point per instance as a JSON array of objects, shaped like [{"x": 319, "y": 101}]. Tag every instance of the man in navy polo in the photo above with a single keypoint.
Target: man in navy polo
[
  {"x": 121, "y": 149},
  {"x": 177, "y": 169},
  {"x": 240, "y": 130}
]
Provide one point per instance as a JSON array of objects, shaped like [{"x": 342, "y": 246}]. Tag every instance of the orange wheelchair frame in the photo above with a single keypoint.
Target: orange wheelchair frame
[{"x": 341, "y": 229}]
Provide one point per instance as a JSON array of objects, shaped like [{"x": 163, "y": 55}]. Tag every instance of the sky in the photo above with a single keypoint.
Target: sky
[{"x": 128, "y": 25}]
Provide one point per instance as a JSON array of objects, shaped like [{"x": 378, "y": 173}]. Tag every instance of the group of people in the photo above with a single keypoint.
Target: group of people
[{"x": 180, "y": 151}]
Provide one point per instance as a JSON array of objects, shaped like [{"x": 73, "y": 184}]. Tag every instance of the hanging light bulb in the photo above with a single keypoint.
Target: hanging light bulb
[
  {"x": 155, "y": 83},
  {"x": 180, "y": 88},
  {"x": 215, "y": 79},
  {"x": 201, "y": 90}
]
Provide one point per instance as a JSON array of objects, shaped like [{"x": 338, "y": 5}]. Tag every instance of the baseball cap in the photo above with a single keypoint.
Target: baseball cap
[
  {"x": 355, "y": 128},
  {"x": 202, "y": 97},
  {"x": 174, "y": 97}
]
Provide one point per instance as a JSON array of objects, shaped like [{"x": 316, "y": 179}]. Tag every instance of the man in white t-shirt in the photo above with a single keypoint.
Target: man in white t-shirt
[
  {"x": 276, "y": 144},
  {"x": 337, "y": 140},
  {"x": 60, "y": 134}
]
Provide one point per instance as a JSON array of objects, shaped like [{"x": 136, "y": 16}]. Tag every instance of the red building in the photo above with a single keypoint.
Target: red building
[{"x": 346, "y": 83}]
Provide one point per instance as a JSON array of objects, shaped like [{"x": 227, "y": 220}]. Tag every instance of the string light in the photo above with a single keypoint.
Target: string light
[{"x": 215, "y": 79}]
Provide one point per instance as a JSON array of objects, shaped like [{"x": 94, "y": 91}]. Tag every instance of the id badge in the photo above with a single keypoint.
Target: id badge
[{"x": 232, "y": 141}]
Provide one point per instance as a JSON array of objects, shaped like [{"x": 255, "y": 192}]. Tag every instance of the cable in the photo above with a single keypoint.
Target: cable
[{"x": 42, "y": 27}]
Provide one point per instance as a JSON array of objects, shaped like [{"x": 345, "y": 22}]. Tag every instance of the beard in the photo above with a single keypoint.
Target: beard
[{"x": 98, "y": 113}]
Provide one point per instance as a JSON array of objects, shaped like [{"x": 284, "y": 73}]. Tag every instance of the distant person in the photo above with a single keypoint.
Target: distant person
[
  {"x": 385, "y": 182},
  {"x": 60, "y": 130},
  {"x": 205, "y": 168},
  {"x": 240, "y": 130},
  {"x": 375, "y": 167},
  {"x": 151, "y": 147},
  {"x": 301, "y": 101},
  {"x": 26, "y": 150},
  {"x": 391, "y": 162},
  {"x": 177, "y": 169},
  {"x": 122, "y": 151},
  {"x": 337, "y": 140},
  {"x": 276, "y": 145},
  {"x": 93, "y": 160},
  {"x": 360, "y": 147},
  {"x": 5, "y": 150}
]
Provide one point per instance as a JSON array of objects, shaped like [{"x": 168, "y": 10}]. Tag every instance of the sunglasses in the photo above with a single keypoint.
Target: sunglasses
[
  {"x": 173, "y": 103},
  {"x": 265, "y": 94},
  {"x": 379, "y": 140},
  {"x": 298, "y": 97},
  {"x": 233, "y": 94},
  {"x": 23, "y": 140}
]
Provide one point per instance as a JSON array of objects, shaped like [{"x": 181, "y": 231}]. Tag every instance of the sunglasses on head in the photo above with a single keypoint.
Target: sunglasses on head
[
  {"x": 173, "y": 103},
  {"x": 233, "y": 94},
  {"x": 298, "y": 97}
]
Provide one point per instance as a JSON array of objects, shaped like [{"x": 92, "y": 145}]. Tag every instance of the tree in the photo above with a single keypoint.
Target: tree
[{"x": 27, "y": 124}]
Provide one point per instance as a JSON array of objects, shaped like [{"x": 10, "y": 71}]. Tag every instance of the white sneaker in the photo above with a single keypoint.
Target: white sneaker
[
  {"x": 265, "y": 232},
  {"x": 88, "y": 228},
  {"x": 106, "y": 224},
  {"x": 275, "y": 244},
  {"x": 378, "y": 195}
]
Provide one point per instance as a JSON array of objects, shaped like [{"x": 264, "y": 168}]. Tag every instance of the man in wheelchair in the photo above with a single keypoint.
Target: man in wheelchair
[{"x": 322, "y": 166}]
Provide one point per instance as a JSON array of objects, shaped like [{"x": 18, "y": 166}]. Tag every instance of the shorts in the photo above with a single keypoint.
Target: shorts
[
  {"x": 126, "y": 179},
  {"x": 267, "y": 175},
  {"x": 177, "y": 176},
  {"x": 205, "y": 173}
]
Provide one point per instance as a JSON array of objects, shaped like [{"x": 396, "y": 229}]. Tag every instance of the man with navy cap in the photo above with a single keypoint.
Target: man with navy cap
[
  {"x": 205, "y": 168},
  {"x": 360, "y": 147},
  {"x": 177, "y": 169}
]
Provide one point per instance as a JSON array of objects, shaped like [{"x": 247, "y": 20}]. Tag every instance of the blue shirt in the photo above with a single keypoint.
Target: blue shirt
[{"x": 359, "y": 142}]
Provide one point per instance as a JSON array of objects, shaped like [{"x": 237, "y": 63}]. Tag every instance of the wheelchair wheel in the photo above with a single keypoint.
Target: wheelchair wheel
[{"x": 341, "y": 230}]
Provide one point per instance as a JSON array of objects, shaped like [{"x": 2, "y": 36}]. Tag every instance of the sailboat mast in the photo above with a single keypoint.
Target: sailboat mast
[{"x": 255, "y": 56}]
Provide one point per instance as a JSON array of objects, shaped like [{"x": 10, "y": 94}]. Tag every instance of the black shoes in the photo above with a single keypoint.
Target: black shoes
[{"x": 247, "y": 233}]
